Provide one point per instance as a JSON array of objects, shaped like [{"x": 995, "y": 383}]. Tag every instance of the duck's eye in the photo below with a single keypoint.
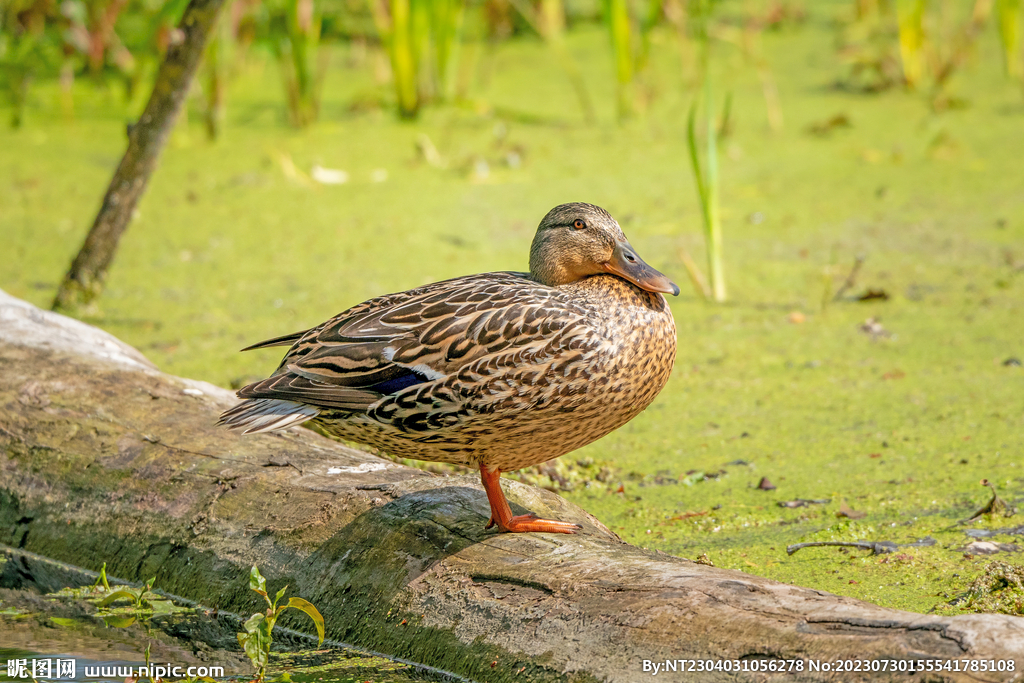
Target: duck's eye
[{"x": 579, "y": 224}]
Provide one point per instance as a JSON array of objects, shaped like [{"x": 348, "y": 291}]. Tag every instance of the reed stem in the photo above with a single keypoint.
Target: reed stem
[
  {"x": 910, "y": 17},
  {"x": 1008, "y": 16}
]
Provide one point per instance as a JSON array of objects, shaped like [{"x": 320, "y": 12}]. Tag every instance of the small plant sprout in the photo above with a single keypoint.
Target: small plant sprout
[
  {"x": 101, "y": 580},
  {"x": 137, "y": 596},
  {"x": 257, "y": 638}
]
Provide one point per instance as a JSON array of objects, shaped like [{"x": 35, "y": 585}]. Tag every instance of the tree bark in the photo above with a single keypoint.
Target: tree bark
[
  {"x": 146, "y": 139},
  {"x": 104, "y": 458}
]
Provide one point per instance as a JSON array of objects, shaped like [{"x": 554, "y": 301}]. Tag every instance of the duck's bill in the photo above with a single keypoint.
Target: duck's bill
[{"x": 626, "y": 264}]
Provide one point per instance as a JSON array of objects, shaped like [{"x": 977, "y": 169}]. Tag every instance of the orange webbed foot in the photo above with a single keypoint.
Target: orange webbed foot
[
  {"x": 532, "y": 522},
  {"x": 501, "y": 514}
]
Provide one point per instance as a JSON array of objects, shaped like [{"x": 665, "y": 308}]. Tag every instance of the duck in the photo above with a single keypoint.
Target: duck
[{"x": 496, "y": 371}]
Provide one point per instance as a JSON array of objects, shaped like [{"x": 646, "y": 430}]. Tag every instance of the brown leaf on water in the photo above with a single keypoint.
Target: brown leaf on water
[
  {"x": 894, "y": 374},
  {"x": 873, "y": 294},
  {"x": 766, "y": 485},
  {"x": 826, "y": 127},
  {"x": 847, "y": 512}
]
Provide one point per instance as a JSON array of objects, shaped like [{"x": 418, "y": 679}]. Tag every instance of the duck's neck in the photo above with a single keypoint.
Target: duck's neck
[{"x": 556, "y": 266}]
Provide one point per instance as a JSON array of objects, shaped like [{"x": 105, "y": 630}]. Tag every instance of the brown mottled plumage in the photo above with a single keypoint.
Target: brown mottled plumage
[{"x": 499, "y": 370}]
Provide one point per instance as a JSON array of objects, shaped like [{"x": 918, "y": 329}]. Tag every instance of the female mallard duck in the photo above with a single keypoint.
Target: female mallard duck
[{"x": 499, "y": 370}]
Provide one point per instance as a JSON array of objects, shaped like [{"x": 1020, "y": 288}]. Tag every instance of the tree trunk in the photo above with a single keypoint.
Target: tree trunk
[
  {"x": 104, "y": 458},
  {"x": 146, "y": 139}
]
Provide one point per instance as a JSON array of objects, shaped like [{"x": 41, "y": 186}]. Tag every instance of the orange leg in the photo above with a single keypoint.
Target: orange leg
[{"x": 501, "y": 513}]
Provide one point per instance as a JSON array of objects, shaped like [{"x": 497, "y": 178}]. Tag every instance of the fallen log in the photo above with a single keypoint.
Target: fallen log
[{"x": 106, "y": 459}]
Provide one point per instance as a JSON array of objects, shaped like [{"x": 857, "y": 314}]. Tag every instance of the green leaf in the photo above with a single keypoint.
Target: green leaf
[
  {"x": 253, "y": 645},
  {"x": 312, "y": 613},
  {"x": 257, "y": 582},
  {"x": 277, "y": 597},
  {"x": 253, "y": 622},
  {"x": 117, "y": 595},
  {"x": 63, "y": 621},
  {"x": 115, "y": 621},
  {"x": 264, "y": 629}
]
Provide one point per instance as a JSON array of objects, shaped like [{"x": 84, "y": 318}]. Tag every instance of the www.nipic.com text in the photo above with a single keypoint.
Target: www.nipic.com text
[
  {"x": 65, "y": 668},
  {"x": 154, "y": 671}
]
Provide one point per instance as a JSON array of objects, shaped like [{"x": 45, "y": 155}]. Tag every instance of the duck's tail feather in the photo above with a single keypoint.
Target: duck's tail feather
[{"x": 258, "y": 415}]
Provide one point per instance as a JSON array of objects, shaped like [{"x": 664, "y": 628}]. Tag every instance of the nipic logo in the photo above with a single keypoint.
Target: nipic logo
[{"x": 41, "y": 668}]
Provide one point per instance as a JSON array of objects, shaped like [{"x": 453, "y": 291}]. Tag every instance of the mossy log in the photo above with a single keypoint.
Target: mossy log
[{"x": 105, "y": 459}]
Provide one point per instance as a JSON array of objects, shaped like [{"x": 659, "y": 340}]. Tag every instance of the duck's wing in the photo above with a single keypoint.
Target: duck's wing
[
  {"x": 283, "y": 340},
  {"x": 390, "y": 343}
]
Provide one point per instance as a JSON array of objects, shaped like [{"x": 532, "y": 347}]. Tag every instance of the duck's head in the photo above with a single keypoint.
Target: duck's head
[{"x": 575, "y": 241}]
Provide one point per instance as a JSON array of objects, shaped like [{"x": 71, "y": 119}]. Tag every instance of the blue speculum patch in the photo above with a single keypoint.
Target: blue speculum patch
[{"x": 396, "y": 384}]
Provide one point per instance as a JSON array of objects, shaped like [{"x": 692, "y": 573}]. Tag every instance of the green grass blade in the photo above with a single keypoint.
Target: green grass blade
[
  {"x": 691, "y": 141},
  {"x": 447, "y": 19},
  {"x": 649, "y": 21},
  {"x": 115, "y": 596},
  {"x": 420, "y": 35},
  {"x": 1008, "y": 18},
  {"x": 617, "y": 18},
  {"x": 396, "y": 33},
  {"x": 712, "y": 219},
  {"x": 910, "y": 17}
]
